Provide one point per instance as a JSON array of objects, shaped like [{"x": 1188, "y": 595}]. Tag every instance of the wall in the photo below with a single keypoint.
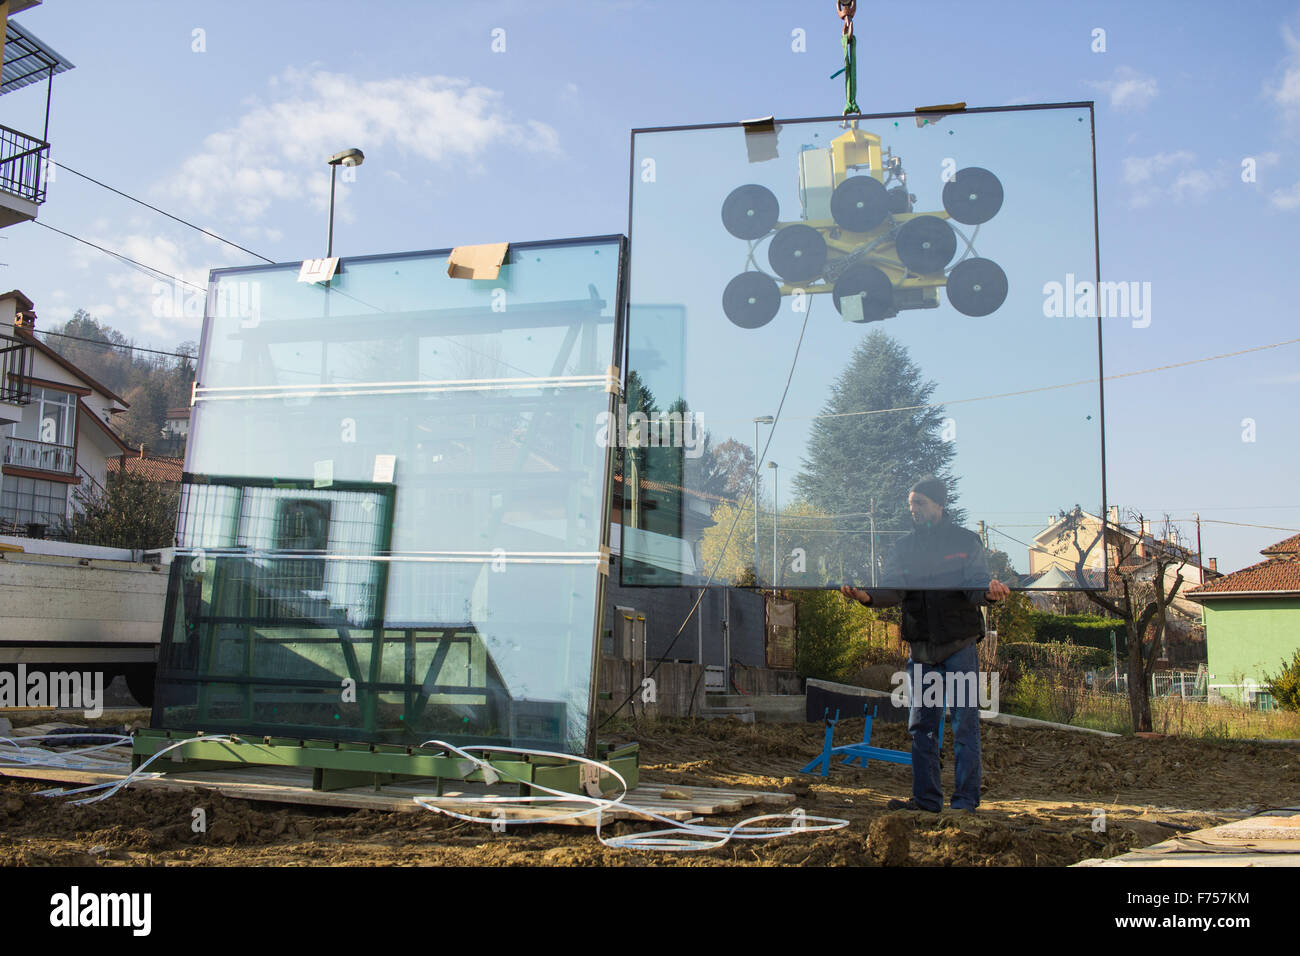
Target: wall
[
  {"x": 666, "y": 608},
  {"x": 676, "y": 684},
  {"x": 53, "y": 599},
  {"x": 1247, "y": 637}
]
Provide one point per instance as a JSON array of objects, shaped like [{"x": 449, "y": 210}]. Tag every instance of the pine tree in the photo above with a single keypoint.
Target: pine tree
[{"x": 860, "y": 450}]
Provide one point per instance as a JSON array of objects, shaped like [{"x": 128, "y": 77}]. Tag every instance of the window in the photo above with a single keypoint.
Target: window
[
  {"x": 26, "y": 500},
  {"x": 54, "y": 421}
]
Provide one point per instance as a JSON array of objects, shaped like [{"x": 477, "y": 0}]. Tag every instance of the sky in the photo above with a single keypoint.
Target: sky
[{"x": 511, "y": 120}]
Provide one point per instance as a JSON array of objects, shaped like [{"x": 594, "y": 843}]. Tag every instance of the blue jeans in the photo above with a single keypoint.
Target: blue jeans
[{"x": 923, "y": 723}]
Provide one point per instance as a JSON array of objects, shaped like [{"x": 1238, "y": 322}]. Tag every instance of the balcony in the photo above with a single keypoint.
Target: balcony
[
  {"x": 27, "y": 61},
  {"x": 22, "y": 186},
  {"x": 15, "y": 378},
  {"x": 43, "y": 456}
]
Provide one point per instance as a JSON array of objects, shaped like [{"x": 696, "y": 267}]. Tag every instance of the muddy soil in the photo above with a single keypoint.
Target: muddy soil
[{"x": 1043, "y": 795}]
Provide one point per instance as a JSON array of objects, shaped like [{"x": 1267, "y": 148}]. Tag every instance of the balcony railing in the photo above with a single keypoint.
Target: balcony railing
[
  {"x": 22, "y": 164},
  {"x": 25, "y": 453},
  {"x": 15, "y": 370}
]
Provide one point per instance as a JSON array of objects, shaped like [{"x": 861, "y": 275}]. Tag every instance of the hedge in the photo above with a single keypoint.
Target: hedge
[
  {"x": 1084, "y": 630},
  {"x": 1039, "y": 655}
]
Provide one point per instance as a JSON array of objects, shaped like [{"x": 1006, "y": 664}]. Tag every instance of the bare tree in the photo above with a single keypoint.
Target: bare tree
[{"x": 1137, "y": 592}]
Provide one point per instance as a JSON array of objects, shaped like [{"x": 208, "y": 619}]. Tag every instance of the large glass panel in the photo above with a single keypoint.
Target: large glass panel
[
  {"x": 857, "y": 307},
  {"x": 395, "y": 524}
]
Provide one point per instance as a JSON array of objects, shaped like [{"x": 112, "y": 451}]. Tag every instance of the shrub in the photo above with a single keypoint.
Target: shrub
[
  {"x": 832, "y": 635},
  {"x": 1285, "y": 686},
  {"x": 1084, "y": 630}
]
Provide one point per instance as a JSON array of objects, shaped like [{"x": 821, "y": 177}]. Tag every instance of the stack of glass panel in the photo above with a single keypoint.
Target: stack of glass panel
[{"x": 394, "y": 525}]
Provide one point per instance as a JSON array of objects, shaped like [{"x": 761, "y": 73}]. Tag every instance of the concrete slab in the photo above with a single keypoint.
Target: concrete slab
[{"x": 1271, "y": 838}]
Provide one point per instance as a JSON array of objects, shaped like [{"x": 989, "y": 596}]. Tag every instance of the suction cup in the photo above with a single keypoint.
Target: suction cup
[
  {"x": 977, "y": 287},
  {"x": 859, "y": 204},
  {"x": 872, "y": 284},
  {"x": 926, "y": 244},
  {"x": 972, "y": 196},
  {"x": 751, "y": 300},
  {"x": 797, "y": 253},
  {"x": 750, "y": 211},
  {"x": 899, "y": 200}
]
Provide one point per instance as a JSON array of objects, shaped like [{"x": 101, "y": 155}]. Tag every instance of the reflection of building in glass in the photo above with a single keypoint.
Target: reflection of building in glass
[{"x": 394, "y": 525}]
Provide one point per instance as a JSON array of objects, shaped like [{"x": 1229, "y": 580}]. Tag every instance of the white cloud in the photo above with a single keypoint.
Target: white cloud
[
  {"x": 1286, "y": 199},
  {"x": 276, "y": 151},
  {"x": 1285, "y": 93},
  {"x": 1139, "y": 170},
  {"x": 1128, "y": 89},
  {"x": 1172, "y": 176},
  {"x": 141, "y": 304},
  {"x": 1293, "y": 379},
  {"x": 1191, "y": 184}
]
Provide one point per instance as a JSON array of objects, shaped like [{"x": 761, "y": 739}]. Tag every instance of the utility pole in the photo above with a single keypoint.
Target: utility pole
[
  {"x": 761, "y": 420},
  {"x": 1200, "y": 561}
]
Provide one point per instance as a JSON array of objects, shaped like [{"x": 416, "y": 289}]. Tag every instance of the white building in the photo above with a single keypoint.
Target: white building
[{"x": 60, "y": 439}]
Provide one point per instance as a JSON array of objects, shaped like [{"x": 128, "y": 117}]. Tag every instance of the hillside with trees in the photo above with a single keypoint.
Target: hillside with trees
[{"x": 150, "y": 382}]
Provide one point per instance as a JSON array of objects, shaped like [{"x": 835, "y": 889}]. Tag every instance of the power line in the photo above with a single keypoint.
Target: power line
[
  {"x": 163, "y": 212},
  {"x": 148, "y": 270},
  {"x": 1047, "y": 388},
  {"x": 115, "y": 345},
  {"x": 1239, "y": 524}
]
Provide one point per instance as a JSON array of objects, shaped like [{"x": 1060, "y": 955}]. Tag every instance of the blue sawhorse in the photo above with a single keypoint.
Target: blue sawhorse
[{"x": 862, "y": 752}]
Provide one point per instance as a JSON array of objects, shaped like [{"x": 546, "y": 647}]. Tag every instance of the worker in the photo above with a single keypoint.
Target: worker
[{"x": 941, "y": 579}]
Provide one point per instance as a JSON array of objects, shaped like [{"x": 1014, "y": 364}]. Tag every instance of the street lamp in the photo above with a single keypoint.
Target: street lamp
[
  {"x": 871, "y": 516},
  {"x": 347, "y": 157},
  {"x": 772, "y": 465},
  {"x": 761, "y": 420}
]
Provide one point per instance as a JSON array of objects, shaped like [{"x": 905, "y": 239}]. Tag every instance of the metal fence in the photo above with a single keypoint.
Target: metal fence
[
  {"x": 22, "y": 164},
  {"x": 1191, "y": 685},
  {"x": 45, "y": 456},
  {"x": 15, "y": 370}
]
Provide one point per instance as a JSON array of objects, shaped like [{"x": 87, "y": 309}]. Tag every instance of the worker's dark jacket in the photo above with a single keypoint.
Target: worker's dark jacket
[{"x": 948, "y": 562}]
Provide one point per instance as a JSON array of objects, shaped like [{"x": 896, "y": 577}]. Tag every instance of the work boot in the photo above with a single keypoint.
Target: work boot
[{"x": 908, "y": 804}]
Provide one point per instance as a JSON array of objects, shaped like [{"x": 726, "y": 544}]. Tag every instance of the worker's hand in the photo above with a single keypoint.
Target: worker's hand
[
  {"x": 857, "y": 594},
  {"x": 996, "y": 592}
]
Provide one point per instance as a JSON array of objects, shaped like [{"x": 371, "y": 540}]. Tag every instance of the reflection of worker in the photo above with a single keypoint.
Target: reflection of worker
[{"x": 943, "y": 579}]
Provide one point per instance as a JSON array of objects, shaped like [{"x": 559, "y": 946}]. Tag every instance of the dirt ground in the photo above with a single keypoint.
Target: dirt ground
[{"x": 1041, "y": 788}]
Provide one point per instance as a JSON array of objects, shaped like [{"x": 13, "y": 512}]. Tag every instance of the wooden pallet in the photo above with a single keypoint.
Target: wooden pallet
[{"x": 293, "y": 786}]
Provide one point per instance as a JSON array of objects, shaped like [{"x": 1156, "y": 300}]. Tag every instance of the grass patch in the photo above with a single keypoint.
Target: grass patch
[{"x": 1035, "y": 695}]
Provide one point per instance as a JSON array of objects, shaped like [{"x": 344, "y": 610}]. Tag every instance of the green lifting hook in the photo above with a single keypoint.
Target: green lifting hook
[{"x": 846, "y": 9}]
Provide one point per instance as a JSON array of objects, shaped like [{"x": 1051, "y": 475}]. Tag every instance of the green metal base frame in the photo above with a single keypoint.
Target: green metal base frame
[{"x": 338, "y": 765}]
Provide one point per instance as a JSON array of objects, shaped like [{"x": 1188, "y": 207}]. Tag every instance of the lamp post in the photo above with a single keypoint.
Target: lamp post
[
  {"x": 871, "y": 516},
  {"x": 348, "y": 157},
  {"x": 761, "y": 420},
  {"x": 773, "y": 466}
]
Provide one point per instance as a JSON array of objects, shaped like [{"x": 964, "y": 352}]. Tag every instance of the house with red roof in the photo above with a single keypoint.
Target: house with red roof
[{"x": 1252, "y": 622}]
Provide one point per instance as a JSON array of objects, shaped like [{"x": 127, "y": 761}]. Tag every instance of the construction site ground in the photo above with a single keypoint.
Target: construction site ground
[{"x": 1043, "y": 796}]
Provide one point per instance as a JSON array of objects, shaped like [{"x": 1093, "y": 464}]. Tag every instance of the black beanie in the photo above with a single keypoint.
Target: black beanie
[{"x": 933, "y": 489}]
